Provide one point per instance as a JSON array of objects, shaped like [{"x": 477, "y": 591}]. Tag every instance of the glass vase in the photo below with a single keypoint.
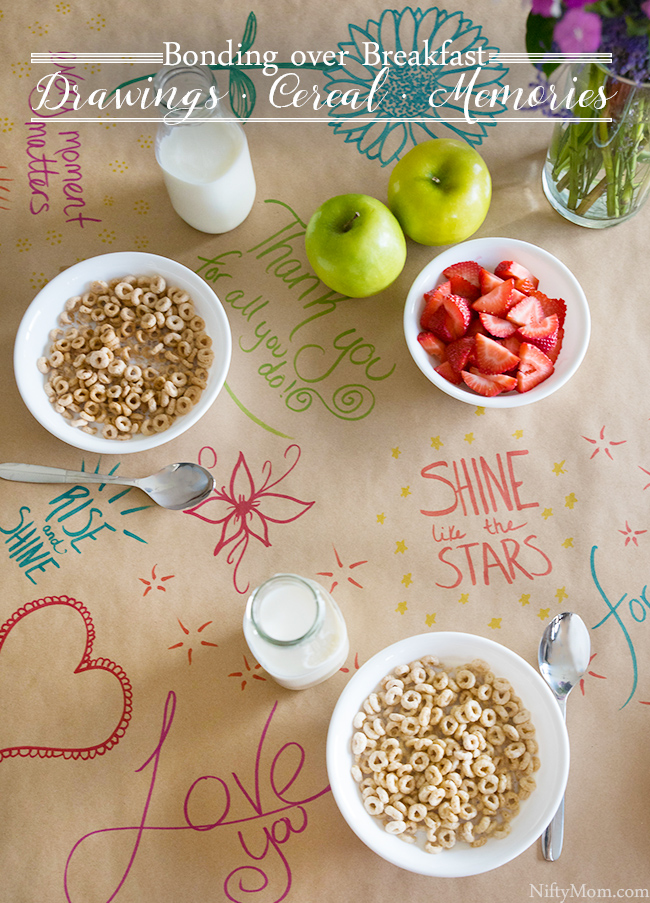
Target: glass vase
[{"x": 597, "y": 173}]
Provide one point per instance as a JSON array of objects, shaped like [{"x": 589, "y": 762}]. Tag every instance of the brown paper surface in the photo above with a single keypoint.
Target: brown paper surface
[{"x": 131, "y": 710}]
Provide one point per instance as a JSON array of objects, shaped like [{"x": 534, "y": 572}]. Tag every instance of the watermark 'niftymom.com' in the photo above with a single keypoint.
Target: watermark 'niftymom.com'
[{"x": 555, "y": 892}]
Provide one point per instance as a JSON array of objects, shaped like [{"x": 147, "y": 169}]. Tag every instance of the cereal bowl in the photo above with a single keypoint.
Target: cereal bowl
[
  {"x": 555, "y": 280},
  {"x": 452, "y": 650},
  {"x": 33, "y": 341}
]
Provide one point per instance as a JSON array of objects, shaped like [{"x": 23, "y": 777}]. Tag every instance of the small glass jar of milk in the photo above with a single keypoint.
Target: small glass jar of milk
[
  {"x": 203, "y": 154},
  {"x": 295, "y": 630}
]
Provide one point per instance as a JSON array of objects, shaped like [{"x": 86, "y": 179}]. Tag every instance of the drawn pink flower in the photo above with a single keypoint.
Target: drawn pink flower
[
  {"x": 578, "y": 32},
  {"x": 244, "y": 511}
]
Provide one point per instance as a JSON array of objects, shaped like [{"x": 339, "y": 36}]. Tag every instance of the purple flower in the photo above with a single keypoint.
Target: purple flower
[
  {"x": 578, "y": 32},
  {"x": 629, "y": 52},
  {"x": 545, "y": 8},
  {"x": 575, "y": 4},
  {"x": 646, "y": 8}
]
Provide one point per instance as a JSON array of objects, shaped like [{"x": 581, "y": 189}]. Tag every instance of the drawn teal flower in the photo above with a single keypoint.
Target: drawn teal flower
[{"x": 404, "y": 90}]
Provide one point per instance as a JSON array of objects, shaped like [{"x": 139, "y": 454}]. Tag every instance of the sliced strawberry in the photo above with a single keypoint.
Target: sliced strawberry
[
  {"x": 512, "y": 343},
  {"x": 492, "y": 356},
  {"x": 488, "y": 280},
  {"x": 545, "y": 328},
  {"x": 550, "y": 306},
  {"x": 497, "y": 326},
  {"x": 464, "y": 278},
  {"x": 432, "y": 344},
  {"x": 553, "y": 352},
  {"x": 527, "y": 311},
  {"x": 498, "y": 301},
  {"x": 534, "y": 367},
  {"x": 524, "y": 279},
  {"x": 488, "y": 385},
  {"x": 451, "y": 319},
  {"x": 447, "y": 371},
  {"x": 459, "y": 352},
  {"x": 432, "y": 301}
]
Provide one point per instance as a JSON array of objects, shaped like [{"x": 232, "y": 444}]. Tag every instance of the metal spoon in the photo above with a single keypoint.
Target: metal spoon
[
  {"x": 176, "y": 486},
  {"x": 563, "y": 658}
]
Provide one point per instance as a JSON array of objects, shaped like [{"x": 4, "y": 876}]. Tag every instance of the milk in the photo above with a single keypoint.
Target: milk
[
  {"x": 208, "y": 173},
  {"x": 296, "y": 631}
]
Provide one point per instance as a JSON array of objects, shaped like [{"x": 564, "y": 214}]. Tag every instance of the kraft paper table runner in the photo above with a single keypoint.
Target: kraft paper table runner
[{"x": 419, "y": 513}]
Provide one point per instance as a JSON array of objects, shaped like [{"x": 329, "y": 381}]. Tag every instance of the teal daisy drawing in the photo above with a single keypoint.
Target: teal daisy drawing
[{"x": 401, "y": 63}]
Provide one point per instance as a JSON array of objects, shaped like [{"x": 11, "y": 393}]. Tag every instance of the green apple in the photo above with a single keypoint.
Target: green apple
[
  {"x": 355, "y": 245},
  {"x": 440, "y": 191}
]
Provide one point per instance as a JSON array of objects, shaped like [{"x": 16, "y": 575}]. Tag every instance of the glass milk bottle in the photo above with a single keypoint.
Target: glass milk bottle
[
  {"x": 204, "y": 157},
  {"x": 295, "y": 630}
]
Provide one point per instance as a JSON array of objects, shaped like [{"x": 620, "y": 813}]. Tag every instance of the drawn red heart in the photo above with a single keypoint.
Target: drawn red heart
[{"x": 86, "y": 665}]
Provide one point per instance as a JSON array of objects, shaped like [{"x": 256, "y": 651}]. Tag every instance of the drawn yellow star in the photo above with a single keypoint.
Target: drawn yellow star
[
  {"x": 544, "y": 613},
  {"x": 480, "y": 411},
  {"x": 430, "y": 620},
  {"x": 400, "y": 546},
  {"x": 568, "y": 542},
  {"x": 518, "y": 434},
  {"x": 406, "y": 491},
  {"x": 570, "y": 500},
  {"x": 395, "y": 452},
  {"x": 407, "y": 580},
  {"x": 381, "y": 518},
  {"x": 547, "y": 512},
  {"x": 525, "y": 598},
  {"x": 558, "y": 468},
  {"x": 469, "y": 437},
  {"x": 436, "y": 442},
  {"x": 464, "y": 598},
  {"x": 401, "y": 608},
  {"x": 495, "y": 624},
  {"x": 561, "y": 594}
]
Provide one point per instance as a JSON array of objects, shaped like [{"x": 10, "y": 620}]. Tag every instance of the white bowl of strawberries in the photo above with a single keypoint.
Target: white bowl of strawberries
[{"x": 497, "y": 322}]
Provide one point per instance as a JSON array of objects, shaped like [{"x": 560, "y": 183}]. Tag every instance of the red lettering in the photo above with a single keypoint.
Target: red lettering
[{"x": 441, "y": 557}]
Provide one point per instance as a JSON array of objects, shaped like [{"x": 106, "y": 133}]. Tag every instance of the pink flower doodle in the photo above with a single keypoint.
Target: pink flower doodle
[{"x": 244, "y": 511}]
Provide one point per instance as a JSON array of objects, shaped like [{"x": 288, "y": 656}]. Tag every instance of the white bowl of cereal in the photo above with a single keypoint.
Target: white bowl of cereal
[
  {"x": 507, "y": 787},
  {"x": 123, "y": 352}
]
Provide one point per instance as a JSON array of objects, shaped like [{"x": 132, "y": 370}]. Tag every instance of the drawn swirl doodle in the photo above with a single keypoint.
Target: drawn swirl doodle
[{"x": 351, "y": 402}]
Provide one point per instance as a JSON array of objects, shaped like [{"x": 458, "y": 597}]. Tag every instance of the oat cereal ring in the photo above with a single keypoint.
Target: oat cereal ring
[
  {"x": 160, "y": 423},
  {"x": 373, "y": 805},
  {"x": 122, "y": 290},
  {"x": 495, "y": 735},
  {"x": 419, "y": 760},
  {"x": 490, "y": 801},
  {"x": 500, "y": 696},
  {"x": 410, "y": 726},
  {"x": 440, "y": 680},
  {"x": 465, "y": 678},
  {"x": 396, "y": 827},
  {"x": 377, "y": 760},
  {"x": 157, "y": 284},
  {"x": 515, "y": 750},
  {"x": 488, "y": 718},
  {"x": 447, "y": 838},
  {"x": 483, "y": 766},
  {"x": 183, "y": 405},
  {"x": 472, "y": 710},
  {"x": 445, "y": 697},
  {"x": 109, "y": 431},
  {"x": 410, "y": 700},
  {"x": 448, "y": 725},
  {"x": 406, "y": 784}
]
